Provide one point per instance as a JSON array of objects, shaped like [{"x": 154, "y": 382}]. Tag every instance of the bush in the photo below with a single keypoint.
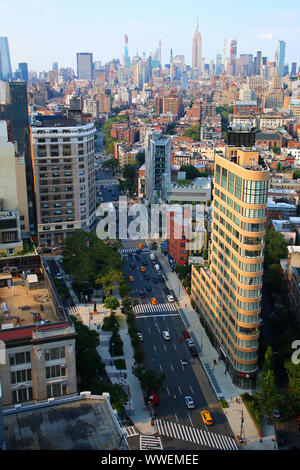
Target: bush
[
  {"x": 253, "y": 407},
  {"x": 120, "y": 364},
  {"x": 116, "y": 345},
  {"x": 224, "y": 403}
]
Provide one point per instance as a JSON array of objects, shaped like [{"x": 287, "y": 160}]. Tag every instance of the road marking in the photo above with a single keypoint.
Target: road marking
[
  {"x": 175, "y": 346},
  {"x": 154, "y": 347},
  {"x": 191, "y": 389},
  {"x": 190, "y": 419},
  {"x": 160, "y": 368},
  {"x": 172, "y": 368},
  {"x": 168, "y": 391},
  {"x": 179, "y": 390}
]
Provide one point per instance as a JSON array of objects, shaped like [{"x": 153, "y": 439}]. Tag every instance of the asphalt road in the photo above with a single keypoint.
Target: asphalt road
[{"x": 166, "y": 356}]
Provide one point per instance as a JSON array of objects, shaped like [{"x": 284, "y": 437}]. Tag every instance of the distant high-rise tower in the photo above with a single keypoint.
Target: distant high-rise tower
[
  {"x": 159, "y": 53},
  {"x": 5, "y": 66},
  {"x": 281, "y": 57},
  {"x": 197, "y": 51},
  {"x": 224, "y": 52},
  {"x": 84, "y": 65},
  {"x": 23, "y": 67},
  {"x": 55, "y": 66},
  {"x": 294, "y": 68},
  {"x": 171, "y": 56},
  {"x": 126, "y": 56}
]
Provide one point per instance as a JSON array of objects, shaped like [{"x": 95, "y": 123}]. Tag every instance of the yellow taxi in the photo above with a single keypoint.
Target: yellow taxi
[
  {"x": 142, "y": 269},
  {"x": 206, "y": 416},
  {"x": 141, "y": 245},
  {"x": 153, "y": 301},
  {"x": 130, "y": 278}
]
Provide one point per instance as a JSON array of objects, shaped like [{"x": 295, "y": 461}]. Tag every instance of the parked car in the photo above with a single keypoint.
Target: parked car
[
  {"x": 142, "y": 293},
  {"x": 189, "y": 342},
  {"x": 280, "y": 437},
  {"x": 167, "y": 291},
  {"x": 170, "y": 298},
  {"x": 185, "y": 334},
  {"x": 193, "y": 351}
]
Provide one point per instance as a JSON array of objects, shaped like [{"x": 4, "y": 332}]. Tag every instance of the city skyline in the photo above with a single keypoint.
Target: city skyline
[{"x": 102, "y": 30}]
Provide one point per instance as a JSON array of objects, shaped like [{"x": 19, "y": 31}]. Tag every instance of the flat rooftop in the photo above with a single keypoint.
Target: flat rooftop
[
  {"x": 83, "y": 422},
  {"x": 21, "y": 301}
]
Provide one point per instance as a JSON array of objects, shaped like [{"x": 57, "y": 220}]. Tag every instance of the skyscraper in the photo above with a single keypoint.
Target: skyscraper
[
  {"x": 23, "y": 67},
  {"x": 294, "y": 68},
  {"x": 281, "y": 57},
  {"x": 5, "y": 66},
  {"x": 84, "y": 65},
  {"x": 126, "y": 56},
  {"x": 228, "y": 294},
  {"x": 157, "y": 163},
  {"x": 197, "y": 51}
]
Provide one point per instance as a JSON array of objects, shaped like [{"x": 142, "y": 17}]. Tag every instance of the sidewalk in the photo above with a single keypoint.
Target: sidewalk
[{"x": 220, "y": 382}]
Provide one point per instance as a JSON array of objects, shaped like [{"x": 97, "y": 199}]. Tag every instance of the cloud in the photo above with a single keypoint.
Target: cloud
[{"x": 267, "y": 36}]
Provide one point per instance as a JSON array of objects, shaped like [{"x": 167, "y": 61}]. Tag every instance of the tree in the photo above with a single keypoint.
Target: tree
[
  {"x": 149, "y": 379},
  {"x": 276, "y": 150},
  {"x": 293, "y": 372},
  {"x": 269, "y": 360},
  {"x": 112, "y": 303},
  {"x": 111, "y": 163},
  {"x": 273, "y": 278},
  {"x": 124, "y": 289},
  {"x": 268, "y": 396},
  {"x": 193, "y": 132},
  {"x": 190, "y": 171},
  {"x": 109, "y": 279},
  {"x": 276, "y": 247}
]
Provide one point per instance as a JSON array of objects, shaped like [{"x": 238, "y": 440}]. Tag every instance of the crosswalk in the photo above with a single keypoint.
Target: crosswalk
[
  {"x": 73, "y": 311},
  {"x": 150, "y": 443},
  {"x": 195, "y": 435},
  {"x": 149, "y": 308},
  {"x": 126, "y": 251},
  {"x": 131, "y": 431}
]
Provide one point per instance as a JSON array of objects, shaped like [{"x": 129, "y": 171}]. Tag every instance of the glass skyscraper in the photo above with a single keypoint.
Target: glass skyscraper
[
  {"x": 281, "y": 57},
  {"x": 5, "y": 66}
]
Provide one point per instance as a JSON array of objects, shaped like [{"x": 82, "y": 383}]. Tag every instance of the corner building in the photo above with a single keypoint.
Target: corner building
[{"x": 228, "y": 294}]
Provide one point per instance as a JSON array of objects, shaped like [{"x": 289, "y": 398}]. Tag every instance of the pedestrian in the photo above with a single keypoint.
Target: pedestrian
[{"x": 225, "y": 372}]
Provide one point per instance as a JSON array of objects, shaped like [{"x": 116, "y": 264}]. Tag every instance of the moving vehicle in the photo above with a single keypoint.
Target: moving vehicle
[
  {"x": 140, "y": 336},
  {"x": 189, "y": 402},
  {"x": 148, "y": 288},
  {"x": 141, "y": 246},
  {"x": 130, "y": 278},
  {"x": 142, "y": 269},
  {"x": 166, "y": 335},
  {"x": 155, "y": 280},
  {"x": 153, "y": 301},
  {"x": 170, "y": 298},
  {"x": 156, "y": 267},
  {"x": 206, "y": 416},
  {"x": 147, "y": 277},
  {"x": 142, "y": 293}
]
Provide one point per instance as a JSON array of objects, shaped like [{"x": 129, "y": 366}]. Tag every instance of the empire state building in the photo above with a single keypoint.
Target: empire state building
[{"x": 197, "y": 51}]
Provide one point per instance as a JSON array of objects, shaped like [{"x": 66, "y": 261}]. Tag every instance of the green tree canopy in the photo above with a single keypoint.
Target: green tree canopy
[
  {"x": 193, "y": 132},
  {"x": 191, "y": 171},
  {"x": 269, "y": 359},
  {"x": 268, "y": 396},
  {"x": 112, "y": 303},
  {"x": 276, "y": 247},
  {"x": 293, "y": 372}
]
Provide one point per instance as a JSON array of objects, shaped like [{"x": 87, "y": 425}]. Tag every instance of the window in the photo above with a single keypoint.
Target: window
[
  {"x": 22, "y": 394},
  {"x": 55, "y": 353},
  {"x": 19, "y": 358},
  {"x": 56, "y": 390},
  {"x": 55, "y": 371},
  {"x": 20, "y": 376},
  {"x": 255, "y": 192}
]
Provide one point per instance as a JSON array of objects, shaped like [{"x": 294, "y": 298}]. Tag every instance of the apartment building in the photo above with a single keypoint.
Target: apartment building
[
  {"x": 227, "y": 295},
  {"x": 157, "y": 163},
  {"x": 64, "y": 170},
  {"x": 39, "y": 339}
]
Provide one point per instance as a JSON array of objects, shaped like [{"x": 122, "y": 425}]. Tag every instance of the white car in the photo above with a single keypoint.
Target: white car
[
  {"x": 189, "y": 342},
  {"x": 58, "y": 276},
  {"x": 166, "y": 335},
  {"x": 189, "y": 402},
  {"x": 140, "y": 336},
  {"x": 170, "y": 298}
]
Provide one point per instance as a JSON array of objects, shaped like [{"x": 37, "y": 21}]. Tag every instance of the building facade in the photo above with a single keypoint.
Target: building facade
[
  {"x": 64, "y": 171},
  {"x": 228, "y": 294},
  {"x": 197, "y": 51},
  {"x": 157, "y": 163}
]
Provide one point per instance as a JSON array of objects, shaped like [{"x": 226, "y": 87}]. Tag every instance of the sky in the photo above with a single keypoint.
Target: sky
[{"x": 43, "y": 32}]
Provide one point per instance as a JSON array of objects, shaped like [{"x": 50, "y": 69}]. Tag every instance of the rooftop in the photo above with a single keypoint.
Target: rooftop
[
  {"x": 84, "y": 422},
  {"x": 24, "y": 306}
]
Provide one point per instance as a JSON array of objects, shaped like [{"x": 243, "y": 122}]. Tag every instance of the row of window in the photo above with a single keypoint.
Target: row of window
[{"x": 24, "y": 357}]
